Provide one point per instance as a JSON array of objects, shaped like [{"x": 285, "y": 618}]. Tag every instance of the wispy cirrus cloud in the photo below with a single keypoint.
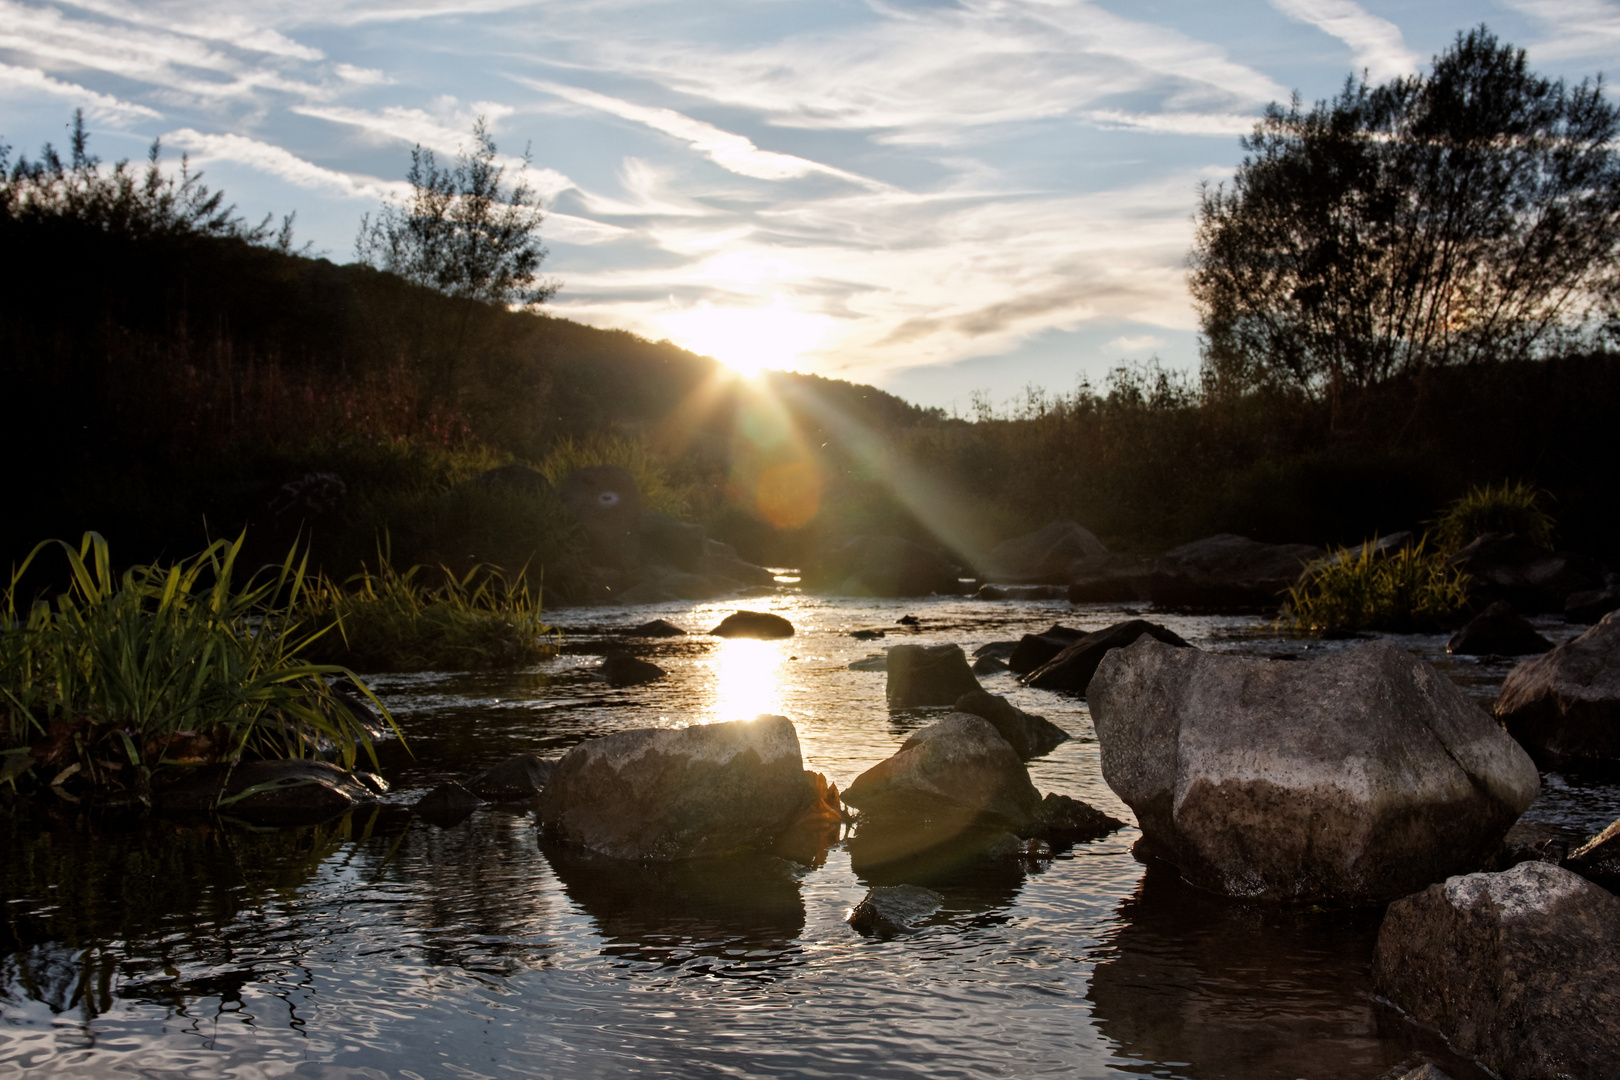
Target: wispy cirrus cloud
[
  {"x": 276, "y": 161},
  {"x": 1575, "y": 28},
  {"x": 96, "y": 106},
  {"x": 1375, "y": 43}
]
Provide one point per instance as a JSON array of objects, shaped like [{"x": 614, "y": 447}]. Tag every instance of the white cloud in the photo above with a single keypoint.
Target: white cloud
[
  {"x": 97, "y": 106},
  {"x": 1134, "y": 343},
  {"x": 1375, "y": 43},
  {"x": 1173, "y": 123},
  {"x": 281, "y": 163},
  {"x": 1577, "y": 28}
]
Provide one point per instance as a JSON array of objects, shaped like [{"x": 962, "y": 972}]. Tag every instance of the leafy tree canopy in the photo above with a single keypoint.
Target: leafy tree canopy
[
  {"x": 463, "y": 231},
  {"x": 1471, "y": 214}
]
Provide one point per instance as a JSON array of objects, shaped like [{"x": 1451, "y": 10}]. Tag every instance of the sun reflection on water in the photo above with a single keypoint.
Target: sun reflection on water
[{"x": 747, "y": 679}]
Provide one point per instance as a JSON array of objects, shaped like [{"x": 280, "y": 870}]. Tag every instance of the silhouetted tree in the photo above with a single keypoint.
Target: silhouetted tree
[
  {"x": 463, "y": 231},
  {"x": 1466, "y": 215}
]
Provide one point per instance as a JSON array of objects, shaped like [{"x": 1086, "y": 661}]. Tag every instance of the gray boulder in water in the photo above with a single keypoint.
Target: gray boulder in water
[
  {"x": 924, "y": 675},
  {"x": 893, "y": 909},
  {"x": 1521, "y": 969},
  {"x": 954, "y": 774},
  {"x": 1028, "y": 734},
  {"x": 1049, "y": 556},
  {"x": 679, "y": 793},
  {"x": 1356, "y": 778},
  {"x": 1498, "y": 631},
  {"x": 1564, "y": 706}
]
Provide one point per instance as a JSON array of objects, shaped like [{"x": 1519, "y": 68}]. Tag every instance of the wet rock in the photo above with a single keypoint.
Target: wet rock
[
  {"x": 988, "y": 665},
  {"x": 1521, "y": 969},
  {"x": 1029, "y": 735},
  {"x": 1073, "y": 668},
  {"x": 656, "y": 629},
  {"x": 955, "y": 773},
  {"x": 1355, "y": 778},
  {"x": 1506, "y": 566},
  {"x": 1033, "y": 650},
  {"x": 1426, "y": 1071},
  {"x": 678, "y": 793},
  {"x": 753, "y": 624},
  {"x": 1590, "y": 606},
  {"x": 908, "y": 620},
  {"x": 1228, "y": 571},
  {"x": 296, "y": 792},
  {"x": 1046, "y": 557},
  {"x": 619, "y": 668},
  {"x": 923, "y": 675},
  {"x": 606, "y": 501},
  {"x": 446, "y": 805},
  {"x": 1063, "y": 821},
  {"x": 998, "y": 650},
  {"x": 1564, "y": 706},
  {"x": 1021, "y": 592},
  {"x": 888, "y": 566},
  {"x": 866, "y": 635},
  {"x": 517, "y": 779},
  {"x": 1497, "y": 631},
  {"x": 871, "y": 662},
  {"x": 1598, "y": 860},
  {"x": 890, "y": 910}
]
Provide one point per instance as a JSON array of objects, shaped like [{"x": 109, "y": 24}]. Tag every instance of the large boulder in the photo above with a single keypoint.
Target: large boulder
[
  {"x": 924, "y": 675},
  {"x": 1506, "y": 566},
  {"x": 889, "y": 566},
  {"x": 1050, "y": 556},
  {"x": 1521, "y": 969},
  {"x": 1115, "y": 580},
  {"x": 606, "y": 501},
  {"x": 1028, "y": 734},
  {"x": 956, "y": 773},
  {"x": 679, "y": 793},
  {"x": 1497, "y": 631},
  {"x": 1564, "y": 706},
  {"x": 1355, "y": 779},
  {"x": 1033, "y": 650},
  {"x": 1228, "y": 571},
  {"x": 1073, "y": 668}
]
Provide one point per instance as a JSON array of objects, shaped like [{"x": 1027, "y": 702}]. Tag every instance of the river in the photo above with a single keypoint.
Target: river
[{"x": 381, "y": 945}]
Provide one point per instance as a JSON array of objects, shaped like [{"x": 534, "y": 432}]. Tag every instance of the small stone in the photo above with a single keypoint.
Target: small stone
[
  {"x": 619, "y": 668},
  {"x": 656, "y": 628},
  {"x": 517, "y": 779},
  {"x": 893, "y": 909},
  {"x": 446, "y": 805}
]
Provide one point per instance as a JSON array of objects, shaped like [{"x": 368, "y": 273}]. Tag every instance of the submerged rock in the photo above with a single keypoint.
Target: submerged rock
[
  {"x": 1073, "y": 668},
  {"x": 753, "y": 624},
  {"x": 678, "y": 793},
  {"x": 1355, "y": 779},
  {"x": 1564, "y": 707},
  {"x": 619, "y": 668},
  {"x": 1521, "y": 969},
  {"x": 924, "y": 675},
  {"x": 517, "y": 779},
  {"x": 954, "y": 773},
  {"x": 446, "y": 805},
  {"x": 301, "y": 791},
  {"x": 1029, "y": 735},
  {"x": 1497, "y": 631},
  {"x": 889, "y": 910}
]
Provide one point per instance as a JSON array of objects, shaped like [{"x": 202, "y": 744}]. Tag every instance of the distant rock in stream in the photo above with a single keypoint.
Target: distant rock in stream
[
  {"x": 1072, "y": 668},
  {"x": 1029, "y": 735},
  {"x": 619, "y": 668},
  {"x": 1564, "y": 706},
  {"x": 1498, "y": 631},
  {"x": 753, "y": 624},
  {"x": 656, "y": 628},
  {"x": 924, "y": 675},
  {"x": 517, "y": 779},
  {"x": 956, "y": 772}
]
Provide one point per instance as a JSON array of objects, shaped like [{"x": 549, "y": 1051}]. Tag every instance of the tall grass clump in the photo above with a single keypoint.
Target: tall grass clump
[
  {"x": 400, "y": 621},
  {"x": 1364, "y": 589},
  {"x": 123, "y": 674},
  {"x": 1508, "y": 508}
]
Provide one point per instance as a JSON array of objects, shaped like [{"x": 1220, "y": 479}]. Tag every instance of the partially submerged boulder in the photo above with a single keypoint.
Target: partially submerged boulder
[
  {"x": 1564, "y": 706},
  {"x": 446, "y": 805},
  {"x": 301, "y": 791},
  {"x": 1507, "y": 566},
  {"x": 1049, "y": 556},
  {"x": 956, "y": 773},
  {"x": 1072, "y": 668},
  {"x": 517, "y": 779},
  {"x": 1033, "y": 650},
  {"x": 656, "y": 628},
  {"x": 924, "y": 675},
  {"x": 1228, "y": 571},
  {"x": 1498, "y": 631},
  {"x": 679, "y": 793},
  {"x": 1355, "y": 779},
  {"x": 619, "y": 668},
  {"x": 889, "y": 910},
  {"x": 1029, "y": 735},
  {"x": 1062, "y": 821},
  {"x": 1521, "y": 969},
  {"x": 753, "y": 624}
]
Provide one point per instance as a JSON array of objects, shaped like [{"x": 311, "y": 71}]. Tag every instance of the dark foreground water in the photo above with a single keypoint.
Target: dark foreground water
[{"x": 383, "y": 946}]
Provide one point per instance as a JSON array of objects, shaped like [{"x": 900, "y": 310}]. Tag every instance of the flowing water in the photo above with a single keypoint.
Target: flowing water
[{"x": 384, "y": 946}]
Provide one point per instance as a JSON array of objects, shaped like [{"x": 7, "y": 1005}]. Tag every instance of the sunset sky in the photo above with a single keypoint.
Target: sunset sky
[{"x": 933, "y": 197}]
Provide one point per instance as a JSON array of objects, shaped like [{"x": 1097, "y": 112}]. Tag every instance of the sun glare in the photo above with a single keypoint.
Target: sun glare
[{"x": 747, "y": 340}]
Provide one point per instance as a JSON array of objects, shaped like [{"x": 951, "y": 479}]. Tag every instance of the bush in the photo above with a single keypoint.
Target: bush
[
  {"x": 123, "y": 674},
  {"x": 393, "y": 621},
  {"x": 1510, "y": 508},
  {"x": 1363, "y": 590}
]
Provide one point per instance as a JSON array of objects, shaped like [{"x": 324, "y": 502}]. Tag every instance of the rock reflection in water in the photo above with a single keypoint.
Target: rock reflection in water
[
  {"x": 737, "y": 916},
  {"x": 1249, "y": 992}
]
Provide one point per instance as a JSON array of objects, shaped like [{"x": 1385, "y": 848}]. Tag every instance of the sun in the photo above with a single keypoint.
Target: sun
[{"x": 747, "y": 340}]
